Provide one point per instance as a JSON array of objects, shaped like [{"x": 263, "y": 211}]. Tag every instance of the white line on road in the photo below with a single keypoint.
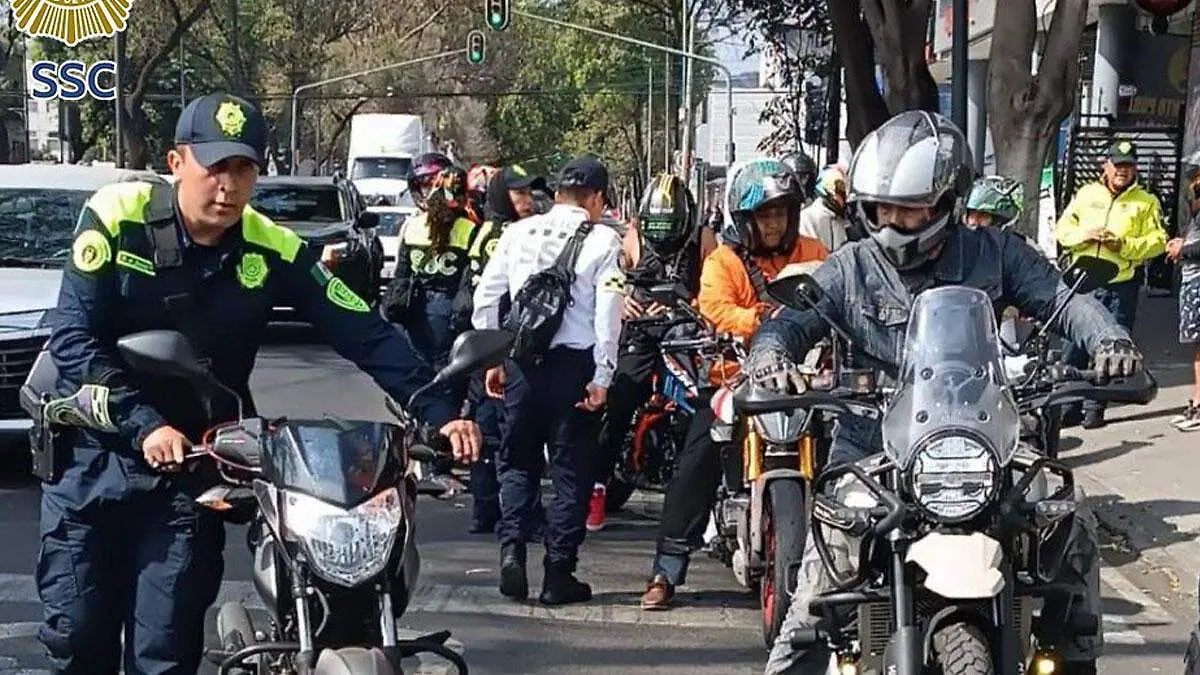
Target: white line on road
[{"x": 1151, "y": 613}]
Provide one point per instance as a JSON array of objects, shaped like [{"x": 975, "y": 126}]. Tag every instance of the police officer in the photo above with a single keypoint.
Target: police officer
[
  {"x": 123, "y": 546},
  {"x": 556, "y": 401},
  {"x": 430, "y": 265},
  {"x": 509, "y": 197},
  {"x": 663, "y": 248}
]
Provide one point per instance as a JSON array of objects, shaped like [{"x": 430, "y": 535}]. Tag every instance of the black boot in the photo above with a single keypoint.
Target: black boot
[
  {"x": 560, "y": 587},
  {"x": 514, "y": 583}
]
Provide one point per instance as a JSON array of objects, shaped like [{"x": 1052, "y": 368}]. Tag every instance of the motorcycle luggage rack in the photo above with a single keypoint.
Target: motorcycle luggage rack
[{"x": 403, "y": 648}]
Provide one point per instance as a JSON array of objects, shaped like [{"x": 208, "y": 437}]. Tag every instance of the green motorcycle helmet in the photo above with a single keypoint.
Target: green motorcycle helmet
[{"x": 998, "y": 196}]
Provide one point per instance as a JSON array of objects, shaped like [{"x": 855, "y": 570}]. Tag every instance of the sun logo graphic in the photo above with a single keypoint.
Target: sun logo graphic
[{"x": 71, "y": 21}]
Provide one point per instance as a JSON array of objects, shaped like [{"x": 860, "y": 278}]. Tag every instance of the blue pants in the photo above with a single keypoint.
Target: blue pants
[
  {"x": 485, "y": 484},
  {"x": 430, "y": 328},
  {"x": 151, "y": 565},
  {"x": 1121, "y": 300},
  {"x": 540, "y": 409}
]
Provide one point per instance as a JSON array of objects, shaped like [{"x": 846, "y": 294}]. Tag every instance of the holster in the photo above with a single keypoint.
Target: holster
[{"x": 49, "y": 444}]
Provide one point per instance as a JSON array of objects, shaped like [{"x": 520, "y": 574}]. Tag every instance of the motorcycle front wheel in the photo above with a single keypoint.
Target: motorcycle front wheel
[
  {"x": 962, "y": 649},
  {"x": 784, "y": 529},
  {"x": 354, "y": 661}
]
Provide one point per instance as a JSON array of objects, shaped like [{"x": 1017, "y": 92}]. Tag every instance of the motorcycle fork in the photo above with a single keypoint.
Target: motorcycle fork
[
  {"x": 304, "y": 630},
  {"x": 387, "y": 617},
  {"x": 752, "y": 455},
  {"x": 1006, "y": 627}
]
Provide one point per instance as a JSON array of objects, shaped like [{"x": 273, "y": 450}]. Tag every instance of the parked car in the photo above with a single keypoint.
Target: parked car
[
  {"x": 327, "y": 211},
  {"x": 391, "y": 219},
  {"x": 39, "y": 205}
]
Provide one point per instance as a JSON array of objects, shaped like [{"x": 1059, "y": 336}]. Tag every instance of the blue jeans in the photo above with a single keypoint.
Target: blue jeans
[
  {"x": 485, "y": 485},
  {"x": 150, "y": 564}
]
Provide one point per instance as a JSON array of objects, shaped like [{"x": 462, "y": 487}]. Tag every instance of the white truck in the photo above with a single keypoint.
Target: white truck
[{"x": 382, "y": 149}]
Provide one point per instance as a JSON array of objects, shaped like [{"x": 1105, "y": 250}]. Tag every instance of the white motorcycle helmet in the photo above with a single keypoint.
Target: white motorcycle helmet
[{"x": 916, "y": 159}]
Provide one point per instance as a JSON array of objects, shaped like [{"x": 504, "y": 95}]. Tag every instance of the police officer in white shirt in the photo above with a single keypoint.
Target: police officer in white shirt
[{"x": 556, "y": 402}]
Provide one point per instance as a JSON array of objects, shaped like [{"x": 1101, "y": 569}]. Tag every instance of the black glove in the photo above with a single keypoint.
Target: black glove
[
  {"x": 774, "y": 370},
  {"x": 1117, "y": 358}
]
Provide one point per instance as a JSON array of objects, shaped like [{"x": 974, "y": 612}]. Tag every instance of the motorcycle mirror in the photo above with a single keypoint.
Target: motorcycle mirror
[
  {"x": 472, "y": 350},
  {"x": 795, "y": 286},
  {"x": 165, "y": 353},
  {"x": 669, "y": 294},
  {"x": 1088, "y": 273},
  {"x": 168, "y": 353}
]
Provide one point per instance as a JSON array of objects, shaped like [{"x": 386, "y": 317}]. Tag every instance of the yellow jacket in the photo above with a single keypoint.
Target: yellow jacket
[{"x": 1134, "y": 216}]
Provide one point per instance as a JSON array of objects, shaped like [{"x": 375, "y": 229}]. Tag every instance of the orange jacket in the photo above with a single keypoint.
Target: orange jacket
[{"x": 727, "y": 297}]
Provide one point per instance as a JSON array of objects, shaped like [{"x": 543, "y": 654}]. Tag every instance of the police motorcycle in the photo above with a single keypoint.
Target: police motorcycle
[
  {"x": 330, "y": 505},
  {"x": 659, "y": 429},
  {"x": 956, "y": 532}
]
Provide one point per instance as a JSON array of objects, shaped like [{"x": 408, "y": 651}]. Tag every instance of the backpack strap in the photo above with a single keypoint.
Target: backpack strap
[
  {"x": 176, "y": 282},
  {"x": 757, "y": 280},
  {"x": 570, "y": 254}
]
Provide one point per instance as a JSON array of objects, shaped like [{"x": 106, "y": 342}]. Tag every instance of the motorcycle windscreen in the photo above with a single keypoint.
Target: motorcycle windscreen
[
  {"x": 342, "y": 463},
  {"x": 952, "y": 379}
]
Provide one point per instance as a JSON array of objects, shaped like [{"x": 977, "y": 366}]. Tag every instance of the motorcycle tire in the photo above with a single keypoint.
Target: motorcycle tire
[
  {"x": 354, "y": 661},
  {"x": 784, "y": 530},
  {"x": 235, "y": 632},
  {"x": 962, "y": 649},
  {"x": 617, "y": 493}
]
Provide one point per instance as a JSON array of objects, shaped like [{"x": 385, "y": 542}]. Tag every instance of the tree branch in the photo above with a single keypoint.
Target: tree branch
[{"x": 151, "y": 66}]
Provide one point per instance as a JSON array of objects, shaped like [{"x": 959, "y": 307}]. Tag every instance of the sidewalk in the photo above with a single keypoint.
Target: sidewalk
[{"x": 1139, "y": 472}]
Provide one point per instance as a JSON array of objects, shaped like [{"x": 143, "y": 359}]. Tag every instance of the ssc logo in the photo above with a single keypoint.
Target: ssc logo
[{"x": 71, "y": 21}]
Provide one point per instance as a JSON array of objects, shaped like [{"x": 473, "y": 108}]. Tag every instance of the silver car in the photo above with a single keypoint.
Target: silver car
[{"x": 39, "y": 205}]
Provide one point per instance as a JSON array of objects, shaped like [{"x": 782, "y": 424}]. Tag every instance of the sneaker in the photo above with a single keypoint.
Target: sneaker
[
  {"x": 1190, "y": 419},
  {"x": 596, "y": 510}
]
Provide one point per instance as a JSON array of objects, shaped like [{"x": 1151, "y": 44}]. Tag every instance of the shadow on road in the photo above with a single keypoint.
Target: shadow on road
[
  {"x": 1103, "y": 454},
  {"x": 1146, "y": 522}
]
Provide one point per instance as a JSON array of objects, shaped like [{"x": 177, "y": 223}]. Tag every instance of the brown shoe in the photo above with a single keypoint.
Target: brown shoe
[{"x": 658, "y": 595}]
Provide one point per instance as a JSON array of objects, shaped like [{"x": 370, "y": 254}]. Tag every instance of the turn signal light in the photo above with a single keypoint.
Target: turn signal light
[
  {"x": 848, "y": 668},
  {"x": 1044, "y": 665}
]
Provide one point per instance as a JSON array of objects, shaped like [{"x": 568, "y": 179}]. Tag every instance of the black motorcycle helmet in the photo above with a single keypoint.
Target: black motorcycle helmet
[
  {"x": 666, "y": 217},
  {"x": 805, "y": 169},
  {"x": 425, "y": 169}
]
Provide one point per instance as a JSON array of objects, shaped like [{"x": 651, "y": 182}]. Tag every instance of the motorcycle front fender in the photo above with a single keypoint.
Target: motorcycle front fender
[
  {"x": 756, "y": 504},
  {"x": 354, "y": 661},
  {"x": 959, "y": 566}
]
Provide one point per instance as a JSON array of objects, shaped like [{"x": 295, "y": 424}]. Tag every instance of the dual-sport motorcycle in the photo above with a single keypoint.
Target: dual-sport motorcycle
[
  {"x": 955, "y": 535},
  {"x": 330, "y": 504}
]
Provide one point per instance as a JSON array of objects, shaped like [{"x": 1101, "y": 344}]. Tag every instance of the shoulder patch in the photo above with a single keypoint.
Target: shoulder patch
[
  {"x": 613, "y": 283},
  {"x": 260, "y": 231},
  {"x": 341, "y": 295},
  {"x": 91, "y": 251},
  {"x": 252, "y": 270}
]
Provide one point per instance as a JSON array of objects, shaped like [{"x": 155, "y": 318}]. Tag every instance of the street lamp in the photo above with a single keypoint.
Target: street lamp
[
  {"x": 729, "y": 149},
  {"x": 351, "y": 76},
  {"x": 958, "y": 65}
]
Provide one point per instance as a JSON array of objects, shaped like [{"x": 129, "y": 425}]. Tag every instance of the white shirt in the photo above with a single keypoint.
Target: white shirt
[{"x": 531, "y": 245}]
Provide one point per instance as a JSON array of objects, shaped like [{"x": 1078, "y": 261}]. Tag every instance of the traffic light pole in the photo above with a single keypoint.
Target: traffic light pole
[
  {"x": 351, "y": 76},
  {"x": 729, "y": 148}
]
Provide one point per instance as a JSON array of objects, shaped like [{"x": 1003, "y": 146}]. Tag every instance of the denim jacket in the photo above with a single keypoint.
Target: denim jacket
[{"x": 866, "y": 295}]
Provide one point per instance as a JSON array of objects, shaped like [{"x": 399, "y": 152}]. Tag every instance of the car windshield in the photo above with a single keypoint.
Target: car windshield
[
  {"x": 302, "y": 203},
  {"x": 389, "y": 223},
  {"x": 381, "y": 167},
  {"x": 36, "y": 226}
]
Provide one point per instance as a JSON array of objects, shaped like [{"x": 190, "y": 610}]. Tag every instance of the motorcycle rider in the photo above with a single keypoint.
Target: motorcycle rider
[
  {"x": 123, "y": 544},
  {"x": 764, "y": 201},
  {"x": 907, "y": 181},
  {"x": 825, "y": 218},
  {"x": 994, "y": 201},
  {"x": 509, "y": 198},
  {"x": 663, "y": 248},
  {"x": 805, "y": 169}
]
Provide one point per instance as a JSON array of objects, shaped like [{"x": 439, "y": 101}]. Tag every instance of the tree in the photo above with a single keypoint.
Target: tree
[
  {"x": 866, "y": 33},
  {"x": 12, "y": 65},
  {"x": 1025, "y": 109}
]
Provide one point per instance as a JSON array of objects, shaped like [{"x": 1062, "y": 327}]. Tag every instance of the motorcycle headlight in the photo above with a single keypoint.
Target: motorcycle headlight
[
  {"x": 954, "y": 477},
  {"x": 781, "y": 427},
  {"x": 345, "y": 547}
]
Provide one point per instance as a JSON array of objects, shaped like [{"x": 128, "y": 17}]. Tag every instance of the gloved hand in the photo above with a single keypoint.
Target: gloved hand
[
  {"x": 1117, "y": 358},
  {"x": 774, "y": 370}
]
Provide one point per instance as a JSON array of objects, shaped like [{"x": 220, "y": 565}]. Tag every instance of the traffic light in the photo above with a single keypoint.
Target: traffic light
[
  {"x": 475, "y": 47},
  {"x": 497, "y": 14}
]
